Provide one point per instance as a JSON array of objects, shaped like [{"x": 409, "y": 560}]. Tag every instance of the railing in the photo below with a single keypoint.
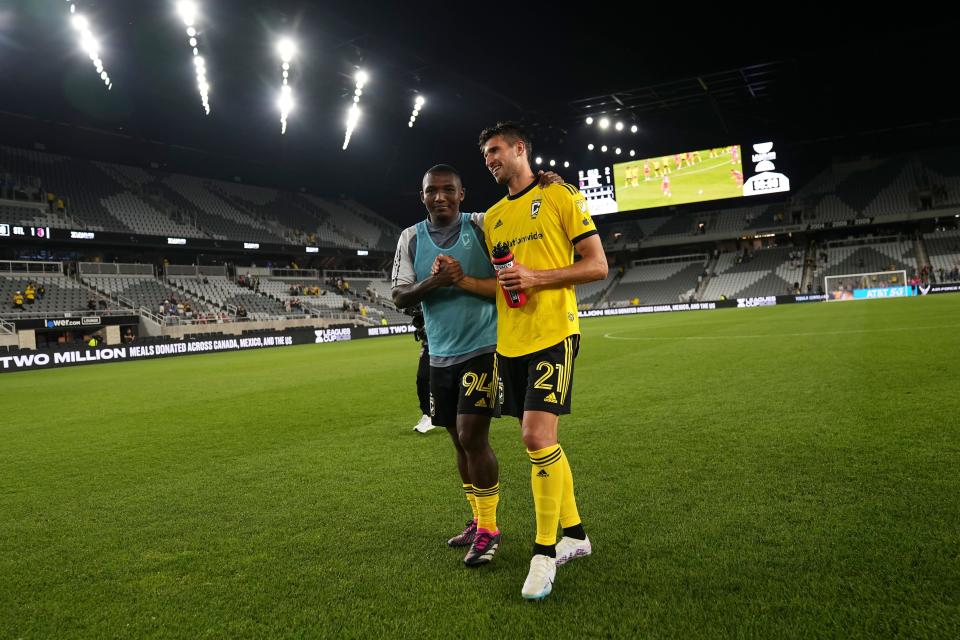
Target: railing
[
  {"x": 143, "y": 311},
  {"x": 27, "y": 266},
  {"x": 193, "y": 270},
  {"x": 58, "y": 315},
  {"x": 693, "y": 257},
  {"x": 858, "y": 242},
  {"x": 306, "y": 274},
  {"x": 114, "y": 269},
  {"x": 6, "y": 327},
  {"x": 363, "y": 275}
]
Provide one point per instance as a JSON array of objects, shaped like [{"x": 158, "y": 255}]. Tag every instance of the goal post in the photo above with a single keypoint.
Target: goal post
[{"x": 867, "y": 286}]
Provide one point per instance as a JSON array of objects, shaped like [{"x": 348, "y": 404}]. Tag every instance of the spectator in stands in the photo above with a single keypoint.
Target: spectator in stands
[
  {"x": 30, "y": 293},
  {"x": 18, "y": 300},
  {"x": 50, "y": 201},
  {"x": 128, "y": 336},
  {"x": 188, "y": 311},
  {"x": 60, "y": 205},
  {"x": 180, "y": 308},
  {"x": 41, "y": 291},
  {"x": 287, "y": 305},
  {"x": 92, "y": 304},
  {"x": 242, "y": 312}
]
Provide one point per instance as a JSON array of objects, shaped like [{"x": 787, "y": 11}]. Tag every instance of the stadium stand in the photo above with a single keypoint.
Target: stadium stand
[
  {"x": 943, "y": 249},
  {"x": 81, "y": 183},
  {"x": 103, "y": 196},
  {"x": 143, "y": 291},
  {"x": 592, "y": 292},
  {"x": 62, "y": 295},
  {"x": 658, "y": 282},
  {"x": 220, "y": 292},
  {"x": 216, "y": 214},
  {"x": 766, "y": 272}
]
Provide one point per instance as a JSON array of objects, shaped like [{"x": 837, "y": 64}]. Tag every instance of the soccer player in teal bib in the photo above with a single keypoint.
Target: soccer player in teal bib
[{"x": 442, "y": 264}]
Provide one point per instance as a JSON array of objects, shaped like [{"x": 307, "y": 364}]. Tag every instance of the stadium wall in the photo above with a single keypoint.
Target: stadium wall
[{"x": 69, "y": 357}]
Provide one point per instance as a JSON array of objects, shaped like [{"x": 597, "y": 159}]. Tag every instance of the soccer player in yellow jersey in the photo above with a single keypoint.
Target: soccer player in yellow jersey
[{"x": 537, "y": 342}]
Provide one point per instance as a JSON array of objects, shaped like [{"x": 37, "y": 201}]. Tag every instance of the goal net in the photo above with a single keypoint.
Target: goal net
[{"x": 867, "y": 286}]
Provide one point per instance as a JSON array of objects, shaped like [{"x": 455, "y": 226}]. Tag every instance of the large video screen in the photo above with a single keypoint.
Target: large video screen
[
  {"x": 691, "y": 176},
  {"x": 682, "y": 178}
]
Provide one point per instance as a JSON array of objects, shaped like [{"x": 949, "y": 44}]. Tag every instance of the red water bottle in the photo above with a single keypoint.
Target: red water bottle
[{"x": 502, "y": 258}]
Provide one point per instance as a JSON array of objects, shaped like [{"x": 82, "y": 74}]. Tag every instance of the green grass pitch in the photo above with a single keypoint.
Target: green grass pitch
[
  {"x": 709, "y": 180},
  {"x": 787, "y": 472}
]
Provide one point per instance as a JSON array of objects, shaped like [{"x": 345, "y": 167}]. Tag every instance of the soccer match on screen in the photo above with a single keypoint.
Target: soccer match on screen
[{"x": 452, "y": 320}]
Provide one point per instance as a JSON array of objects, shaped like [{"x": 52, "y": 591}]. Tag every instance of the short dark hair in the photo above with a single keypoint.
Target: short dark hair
[
  {"x": 511, "y": 131},
  {"x": 444, "y": 168}
]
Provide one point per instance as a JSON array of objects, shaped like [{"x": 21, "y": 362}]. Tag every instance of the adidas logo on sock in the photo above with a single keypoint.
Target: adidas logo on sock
[
  {"x": 552, "y": 398},
  {"x": 543, "y": 474}
]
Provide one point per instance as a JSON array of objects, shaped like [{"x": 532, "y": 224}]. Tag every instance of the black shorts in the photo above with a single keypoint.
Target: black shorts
[
  {"x": 470, "y": 387},
  {"x": 539, "y": 381}
]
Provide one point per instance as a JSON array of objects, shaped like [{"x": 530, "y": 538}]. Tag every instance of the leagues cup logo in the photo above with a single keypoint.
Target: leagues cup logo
[
  {"x": 765, "y": 180},
  {"x": 535, "y": 209}
]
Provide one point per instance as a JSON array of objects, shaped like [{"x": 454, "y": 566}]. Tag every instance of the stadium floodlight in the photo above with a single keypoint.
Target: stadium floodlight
[
  {"x": 566, "y": 165},
  {"x": 286, "y": 106},
  {"x": 604, "y": 123},
  {"x": 553, "y": 163},
  {"x": 188, "y": 11},
  {"x": 632, "y": 153},
  {"x": 589, "y": 119},
  {"x": 286, "y": 49},
  {"x": 603, "y": 148},
  {"x": 89, "y": 45},
  {"x": 619, "y": 126},
  {"x": 539, "y": 160},
  {"x": 418, "y": 103},
  {"x": 353, "y": 117},
  {"x": 617, "y": 151},
  {"x": 590, "y": 147},
  {"x": 634, "y": 129}
]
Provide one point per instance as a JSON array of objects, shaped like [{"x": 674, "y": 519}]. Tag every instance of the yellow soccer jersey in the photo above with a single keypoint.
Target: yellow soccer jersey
[{"x": 540, "y": 225}]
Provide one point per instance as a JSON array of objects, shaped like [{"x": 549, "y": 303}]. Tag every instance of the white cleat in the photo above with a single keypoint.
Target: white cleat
[
  {"x": 570, "y": 548},
  {"x": 424, "y": 425},
  {"x": 539, "y": 582}
]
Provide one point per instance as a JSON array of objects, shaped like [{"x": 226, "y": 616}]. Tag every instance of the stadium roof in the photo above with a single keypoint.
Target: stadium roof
[{"x": 685, "y": 80}]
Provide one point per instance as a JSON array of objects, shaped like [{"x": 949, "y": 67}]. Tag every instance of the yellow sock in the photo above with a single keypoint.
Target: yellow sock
[
  {"x": 487, "y": 501},
  {"x": 472, "y": 499},
  {"x": 546, "y": 480},
  {"x": 569, "y": 516}
]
